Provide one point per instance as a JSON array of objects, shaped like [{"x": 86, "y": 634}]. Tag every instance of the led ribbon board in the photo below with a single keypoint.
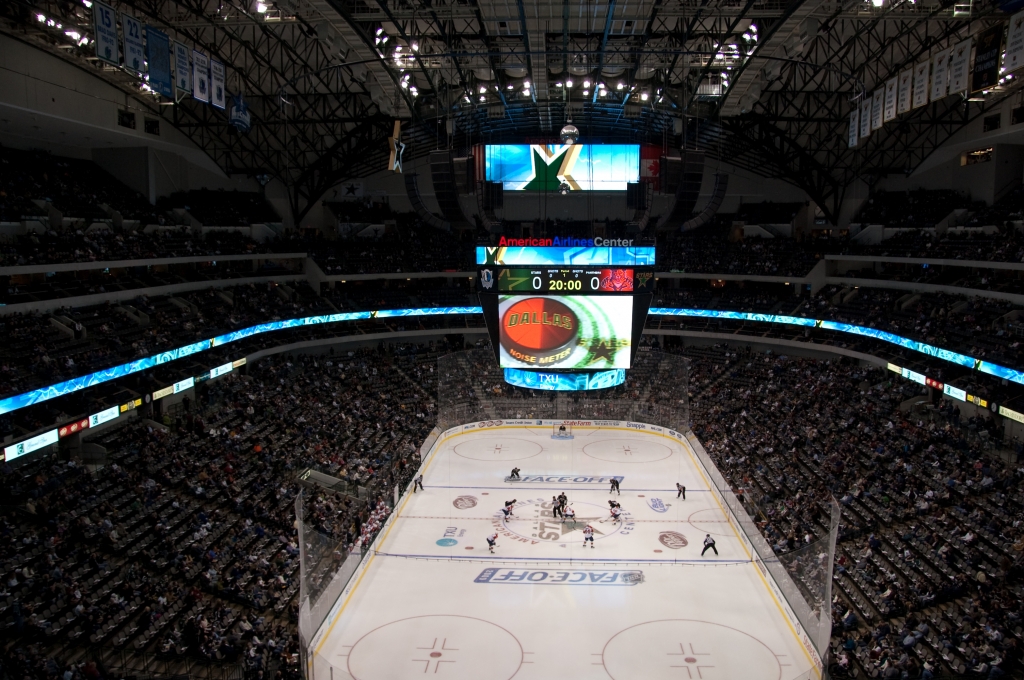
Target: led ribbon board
[
  {"x": 587, "y": 255},
  {"x": 565, "y": 382},
  {"x": 75, "y": 384}
]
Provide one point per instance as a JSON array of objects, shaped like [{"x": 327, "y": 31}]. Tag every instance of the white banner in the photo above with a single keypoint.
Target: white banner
[
  {"x": 182, "y": 72},
  {"x": 217, "y": 84},
  {"x": 200, "y": 77},
  {"x": 890, "y": 99},
  {"x": 134, "y": 49},
  {"x": 906, "y": 89},
  {"x": 105, "y": 31},
  {"x": 1014, "y": 58},
  {"x": 865, "y": 117},
  {"x": 940, "y": 74},
  {"x": 959, "y": 67},
  {"x": 876, "y": 108},
  {"x": 920, "y": 84},
  {"x": 854, "y": 127}
]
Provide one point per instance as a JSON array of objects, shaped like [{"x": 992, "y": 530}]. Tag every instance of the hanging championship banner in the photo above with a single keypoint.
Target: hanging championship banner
[
  {"x": 1014, "y": 58},
  {"x": 200, "y": 77},
  {"x": 920, "y": 84},
  {"x": 217, "y": 84},
  {"x": 854, "y": 127},
  {"x": 105, "y": 32},
  {"x": 134, "y": 50},
  {"x": 940, "y": 74},
  {"x": 182, "y": 73},
  {"x": 905, "y": 90},
  {"x": 158, "y": 54},
  {"x": 239, "y": 115},
  {"x": 876, "y": 108},
  {"x": 890, "y": 99},
  {"x": 865, "y": 117},
  {"x": 986, "y": 59},
  {"x": 959, "y": 70}
]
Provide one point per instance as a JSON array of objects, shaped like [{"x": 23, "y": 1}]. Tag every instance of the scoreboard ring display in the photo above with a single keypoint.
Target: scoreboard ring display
[{"x": 565, "y": 280}]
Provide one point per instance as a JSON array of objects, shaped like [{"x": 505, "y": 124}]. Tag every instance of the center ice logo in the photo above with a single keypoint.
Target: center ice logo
[{"x": 536, "y": 516}]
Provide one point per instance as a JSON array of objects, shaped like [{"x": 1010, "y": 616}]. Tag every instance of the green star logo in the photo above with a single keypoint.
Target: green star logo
[{"x": 545, "y": 172}]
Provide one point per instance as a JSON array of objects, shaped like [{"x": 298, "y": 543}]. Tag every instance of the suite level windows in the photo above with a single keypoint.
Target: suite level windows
[
  {"x": 991, "y": 123},
  {"x": 126, "y": 119},
  {"x": 975, "y": 157}
]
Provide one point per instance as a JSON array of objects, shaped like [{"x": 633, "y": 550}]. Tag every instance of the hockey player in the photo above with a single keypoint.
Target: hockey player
[
  {"x": 515, "y": 474},
  {"x": 682, "y": 491},
  {"x": 708, "y": 543},
  {"x": 588, "y": 535},
  {"x": 613, "y": 504},
  {"x": 556, "y": 507},
  {"x": 509, "y": 507},
  {"x": 418, "y": 482},
  {"x": 492, "y": 541},
  {"x": 615, "y": 487},
  {"x": 615, "y": 513},
  {"x": 569, "y": 513}
]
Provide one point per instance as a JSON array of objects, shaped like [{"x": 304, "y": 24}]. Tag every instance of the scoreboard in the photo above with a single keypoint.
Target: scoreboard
[
  {"x": 574, "y": 310},
  {"x": 570, "y": 280}
]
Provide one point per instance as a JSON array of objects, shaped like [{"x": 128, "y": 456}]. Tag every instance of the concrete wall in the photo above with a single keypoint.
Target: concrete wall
[
  {"x": 49, "y": 104},
  {"x": 46, "y": 103},
  {"x": 986, "y": 182}
]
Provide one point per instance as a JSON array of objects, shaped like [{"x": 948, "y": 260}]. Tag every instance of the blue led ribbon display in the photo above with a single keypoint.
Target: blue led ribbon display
[
  {"x": 75, "y": 384},
  {"x": 565, "y": 382},
  {"x": 20, "y": 401}
]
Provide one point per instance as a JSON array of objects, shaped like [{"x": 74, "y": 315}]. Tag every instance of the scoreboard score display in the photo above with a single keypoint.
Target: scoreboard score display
[
  {"x": 566, "y": 280},
  {"x": 583, "y": 315}
]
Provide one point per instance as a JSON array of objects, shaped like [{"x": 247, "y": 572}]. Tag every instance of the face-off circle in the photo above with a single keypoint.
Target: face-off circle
[
  {"x": 710, "y": 521},
  {"x": 683, "y": 648},
  {"x": 449, "y": 646},
  {"x": 627, "y": 450},
  {"x": 539, "y": 331},
  {"x": 497, "y": 449}
]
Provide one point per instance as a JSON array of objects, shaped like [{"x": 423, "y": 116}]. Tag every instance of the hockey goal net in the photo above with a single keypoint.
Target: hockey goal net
[{"x": 561, "y": 430}]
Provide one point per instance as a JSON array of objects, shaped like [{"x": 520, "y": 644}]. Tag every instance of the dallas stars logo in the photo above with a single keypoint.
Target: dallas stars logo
[
  {"x": 552, "y": 165},
  {"x": 395, "y": 162}
]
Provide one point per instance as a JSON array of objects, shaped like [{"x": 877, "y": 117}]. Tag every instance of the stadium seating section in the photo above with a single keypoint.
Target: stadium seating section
[{"x": 183, "y": 547}]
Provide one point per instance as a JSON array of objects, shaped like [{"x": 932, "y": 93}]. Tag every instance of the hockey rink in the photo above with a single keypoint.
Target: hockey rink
[{"x": 641, "y": 604}]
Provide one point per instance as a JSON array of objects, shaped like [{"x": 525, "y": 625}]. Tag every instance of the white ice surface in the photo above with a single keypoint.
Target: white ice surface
[{"x": 434, "y": 602}]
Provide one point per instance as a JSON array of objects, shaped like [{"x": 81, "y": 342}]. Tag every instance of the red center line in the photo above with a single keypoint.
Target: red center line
[{"x": 531, "y": 519}]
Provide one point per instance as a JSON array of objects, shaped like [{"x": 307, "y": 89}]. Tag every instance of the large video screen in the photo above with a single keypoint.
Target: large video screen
[
  {"x": 544, "y": 167},
  {"x": 565, "y": 332}
]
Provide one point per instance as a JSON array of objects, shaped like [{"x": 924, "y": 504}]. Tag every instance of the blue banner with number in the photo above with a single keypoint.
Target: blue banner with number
[{"x": 158, "y": 52}]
